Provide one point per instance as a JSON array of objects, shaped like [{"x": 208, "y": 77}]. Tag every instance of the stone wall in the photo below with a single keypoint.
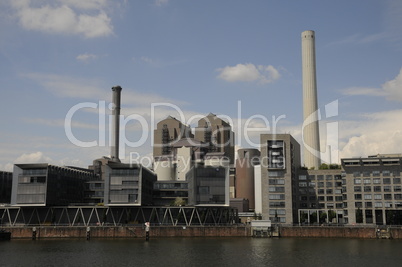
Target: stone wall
[
  {"x": 338, "y": 232},
  {"x": 127, "y": 232}
]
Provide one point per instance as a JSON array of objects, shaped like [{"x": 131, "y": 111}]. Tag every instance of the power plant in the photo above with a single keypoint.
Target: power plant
[
  {"x": 310, "y": 133},
  {"x": 195, "y": 179},
  {"x": 114, "y": 153}
]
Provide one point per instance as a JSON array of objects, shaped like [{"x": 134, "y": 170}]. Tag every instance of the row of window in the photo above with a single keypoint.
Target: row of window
[
  {"x": 386, "y": 188},
  {"x": 320, "y": 177},
  {"x": 312, "y": 191},
  {"x": 378, "y": 196},
  {"x": 321, "y": 198},
  {"x": 320, "y": 184},
  {"x": 314, "y": 205},
  {"x": 377, "y": 180},
  {"x": 376, "y": 173},
  {"x": 378, "y": 204}
]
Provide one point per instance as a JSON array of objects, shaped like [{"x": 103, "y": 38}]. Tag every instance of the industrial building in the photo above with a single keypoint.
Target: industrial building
[
  {"x": 48, "y": 185},
  {"x": 6, "y": 180},
  {"x": 198, "y": 171}
]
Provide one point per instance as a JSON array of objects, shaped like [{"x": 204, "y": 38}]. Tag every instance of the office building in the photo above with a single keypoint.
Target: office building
[
  {"x": 280, "y": 164},
  {"x": 42, "y": 184}
]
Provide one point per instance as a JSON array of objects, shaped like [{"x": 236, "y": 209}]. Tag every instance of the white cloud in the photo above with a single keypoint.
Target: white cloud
[
  {"x": 392, "y": 89},
  {"x": 249, "y": 73},
  {"x": 64, "y": 17},
  {"x": 374, "y": 133},
  {"x": 363, "y": 91},
  {"x": 161, "y": 2},
  {"x": 86, "y": 57},
  {"x": 36, "y": 157}
]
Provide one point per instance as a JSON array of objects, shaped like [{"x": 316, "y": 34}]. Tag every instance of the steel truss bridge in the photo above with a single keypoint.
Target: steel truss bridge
[{"x": 116, "y": 216}]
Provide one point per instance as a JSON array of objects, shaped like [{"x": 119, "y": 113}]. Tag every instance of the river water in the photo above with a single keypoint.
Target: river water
[{"x": 202, "y": 252}]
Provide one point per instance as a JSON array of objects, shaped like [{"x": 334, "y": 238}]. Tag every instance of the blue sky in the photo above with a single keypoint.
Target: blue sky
[{"x": 201, "y": 56}]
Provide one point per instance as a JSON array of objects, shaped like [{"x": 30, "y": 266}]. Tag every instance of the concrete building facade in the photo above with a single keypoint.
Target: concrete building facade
[{"x": 280, "y": 163}]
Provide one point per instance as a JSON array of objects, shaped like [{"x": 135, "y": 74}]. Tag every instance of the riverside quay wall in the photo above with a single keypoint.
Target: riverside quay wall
[
  {"x": 342, "y": 232},
  {"x": 42, "y": 232},
  {"x": 45, "y": 232}
]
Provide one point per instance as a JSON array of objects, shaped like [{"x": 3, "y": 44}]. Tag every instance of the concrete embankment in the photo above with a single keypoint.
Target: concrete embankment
[
  {"x": 42, "y": 232},
  {"x": 342, "y": 232}
]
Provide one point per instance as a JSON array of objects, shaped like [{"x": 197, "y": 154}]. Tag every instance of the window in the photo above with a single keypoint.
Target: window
[
  {"x": 312, "y": 198},
  {"x": 277, "y": 196},
  {"x": 378, "y": 204},
  {"x": 388, "y": 204},
  {"x": 387, "y": 196},
  {"x": 377, "y": 188},
  {"x": 329, "y": 191},
  {"x": 376, "y": 180},
  {"x": 397, "y": 188},
  {"x": 358, "y": 196},
  {"x": 320, "y": 177},
  {"x": 386, "y": 173},
  {"x": 367, "y": 181},
  {"x": 376, "y": 173},
  {"x": 356, "y": 174},
  {"x": 397, "y": 180},
  {"x": 358, "y": 204},
  {"x": 320, "y": 191},
  {"x": 328, "y": 177},
  {"x": 276, "y": 181},
  {"x": 311, "y": 177},
  {"x": 329, "y": 184},
  {"x": 330, "y": 205},
  {"x": 312, "y": 184},
  {"x": 358, "y": 188},
  {"x": 367, "y": 189},
  {"x": 302, "y": 184},
  {"x": 330, "y": 198},
  {"x": 338, "y": 198},
  {"x": 276, "y": 204},
  {"x": 302, "y": 177},
  {"x": 368, "y": 204},
  {"x": 320, "y": 184},
  {"x": 357, "y": 181},
  {"x": 367, "y": 196},
  {"x": 277, "y": 212},
  {"x": 386, "y": 180},
  {"x": 398, "y": 196},
  {"x": 366, "y": 174},
  {"x": 377, "y": 196},
  {"x": 387, "y": 188},
  {"x": 338, "y": 191},
  {"x": 321, "y": 198},
  {"x": 276, "y": 189}
]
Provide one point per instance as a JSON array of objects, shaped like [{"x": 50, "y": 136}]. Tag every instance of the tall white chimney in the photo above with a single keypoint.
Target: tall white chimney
[
  {"x": 114, "y": 153},
  {"x": 311, "y": 136}
]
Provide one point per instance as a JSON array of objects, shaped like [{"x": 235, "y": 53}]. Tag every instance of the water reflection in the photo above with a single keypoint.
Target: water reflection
[{"x": 201, "y": 252}]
